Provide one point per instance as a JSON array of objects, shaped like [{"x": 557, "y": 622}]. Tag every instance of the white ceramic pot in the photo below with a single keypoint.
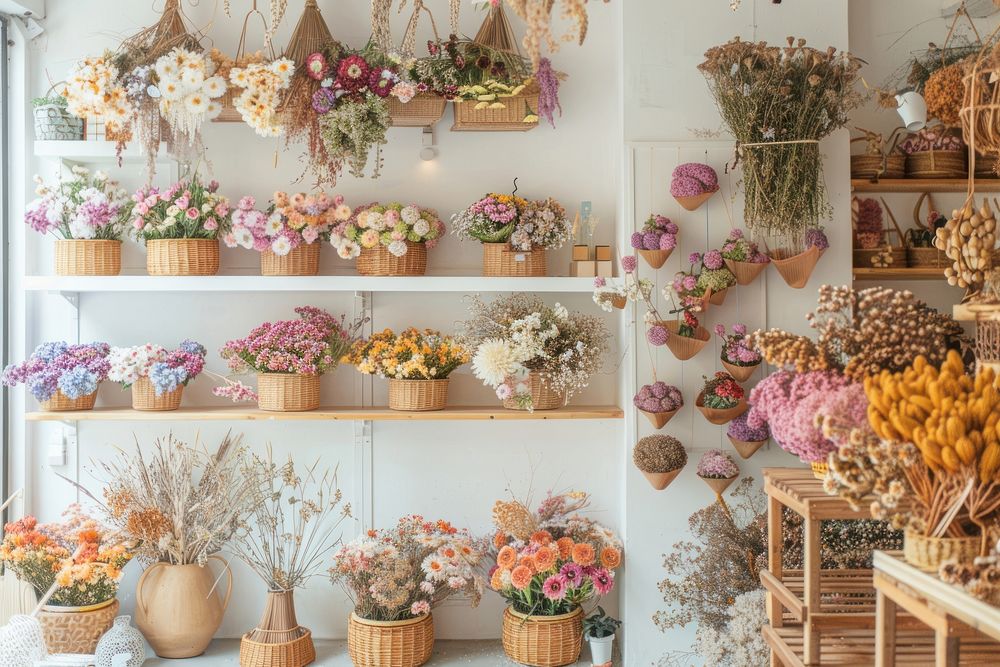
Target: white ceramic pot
[
  {"x": 913, "y": 110},
  {"x": 600, "y": 649}
]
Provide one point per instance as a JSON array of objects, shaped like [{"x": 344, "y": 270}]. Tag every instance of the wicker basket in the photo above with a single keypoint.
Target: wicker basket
[
  {"x": 182, "y": 257},
  {"x": 694, "y": 202},
  {"x": 819, "y": 469},
  {"x": 390, "y": 643},
  {"x": 542, "y": 397},
  {"x": 59, "y": 402},
  {"x": 287, "y": 392},
  {"x": 88, "y": 257},
  {"x": 928, "y": 553},
  {"x": 745, "y": 272},
  {"x": 76, "y": 629},
  {"x": 144, "y": 397},
  {"x": 863, "y": 256},
  {"x": 500, "y": 261},
  {"x": 54, "y": 123},
  {"x": 721, "y": 416},
  {"x": 659, "y": 419},
  {"x": 655, "y": 258},
  {"x": 378, "y": 261},
  {"x": 418, "y": 395},
  {"x": 508, "y": 119},
  {"x": 874, "y": 167},
  {"x": 797, "y": 269},
  {"x": 543, "y": 641},
  {"x": 719, "y": 484},
  {"x": 937, "y": 164},
  {"x": 296, "y": 653},
  {"x": 301, "y": 261},
  {"x": 929, "y": 258},
  {"x": 684, "y": 347},
  {"x": 424, "y": 110}
]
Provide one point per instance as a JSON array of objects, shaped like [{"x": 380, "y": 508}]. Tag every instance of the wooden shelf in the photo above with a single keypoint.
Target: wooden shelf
[
  {"x": 912, "y": 273},
  {"x": 237, "y": 413},
  {"x": 890, "y": 185},
  {"x": 347, "y": 283}
]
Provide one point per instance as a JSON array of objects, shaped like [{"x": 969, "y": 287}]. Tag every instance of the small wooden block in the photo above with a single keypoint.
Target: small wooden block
[
  {"x": 586, "y": 269},
  {"x": 606, "y": 269},
  {"x": 602, "y": 253},
  {"x": 581, "y": 253}
]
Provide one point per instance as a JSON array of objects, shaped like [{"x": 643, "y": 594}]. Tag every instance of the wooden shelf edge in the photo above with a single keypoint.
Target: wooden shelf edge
[
  {"x": 456, "y": 413},
  {"x": 943, "y": 185},
  {"x": 908, "y": 273}
]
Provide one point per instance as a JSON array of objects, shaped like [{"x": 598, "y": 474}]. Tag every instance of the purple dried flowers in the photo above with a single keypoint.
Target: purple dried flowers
[
  {"x": 657, "y": 335},
  {"x": 658, "y": 397},
  {"x": 692, "y": 179},
  {"x": 737, "y": 248},
  {"x": 740, "y": 429},
  {"x": 548, "y": 91},
  {"x": 716, "y": 464},
  {"x": 658, "y": 233},
  {"x": 736, "y": 349},
  {"x": 815, "y": 236}
]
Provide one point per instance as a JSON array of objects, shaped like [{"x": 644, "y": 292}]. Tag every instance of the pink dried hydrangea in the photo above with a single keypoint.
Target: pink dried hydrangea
[
  {"x": 657, "y": 335},
  {"x": 658, "y": 233},
  {"x": 716, "y": 464},
  {"x": 658, "y": 397},
  {"x": 692, "y": 179}
]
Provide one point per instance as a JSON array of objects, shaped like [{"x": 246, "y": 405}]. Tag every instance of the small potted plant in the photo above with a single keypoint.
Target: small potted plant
[
  {"x": 181, "y": 227},
  {"x": 289, "y": 236},
  {"x": 599, "y": 629},
  {"x": 87, "y": 213},
  {"x": 718, "y": 470},
  {"x": 395, "y": 577},
  {"x": 692, "y": 184},
  {"x": 417, "y": 364},
  {"x": 743, "y": 257},
  {"x": 659, "y": 402},
  {"x": 388, "y": 239},
  {"x": 289, "y": 356},
  {"x": 796, "y": 269},
  {"x": 738, "y": 357},
  {"x": 157, "y": 377},
  {"x": 721, "y": 398},
  {"x": 53, "y": 121},
  {"x": 656, "y": 240},
  {"x": 660, "y": 458},
  {"x": 515, "y": 232},
  {"x": 61, "y": 376},
  {"x": 747, "y": 436},
  {"x": 684, "y": 336}
]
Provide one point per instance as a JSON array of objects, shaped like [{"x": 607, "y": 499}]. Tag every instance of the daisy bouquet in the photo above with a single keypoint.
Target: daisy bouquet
[
  {"x": 166, "y": 370},
  {"x": 392, "y": 225},
  {"x": 736, "y": 349},
  {"x": 524, "y": 224},
  {"x": 402, "y": 573},
  {"x": 74, "y": 370},
  {"x": 83, "y": 558},
  {"x": 409, "y": 355},
  {"x": 188, "y": 209},
  {"x": 188, "y": 90},
  {"x": 516, "y": 335},
  {"x": 79, "y": 206},
  {"x": 550, "y": 561},
  {"x": 294, "y": 220},
  {"x": 261, "y": 85},
  {"x": 94, "y": 91}
]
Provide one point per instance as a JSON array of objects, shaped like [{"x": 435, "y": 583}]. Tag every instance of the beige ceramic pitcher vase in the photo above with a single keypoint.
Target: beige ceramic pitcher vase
[{"x": 178, "y": 607}]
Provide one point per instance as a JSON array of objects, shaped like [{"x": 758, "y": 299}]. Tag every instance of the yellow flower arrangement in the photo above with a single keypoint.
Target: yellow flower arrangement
[{"x": 410, "y": 355}]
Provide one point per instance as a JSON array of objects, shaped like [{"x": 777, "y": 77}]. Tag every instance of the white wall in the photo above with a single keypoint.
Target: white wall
[{"x": 454, "y": 470}]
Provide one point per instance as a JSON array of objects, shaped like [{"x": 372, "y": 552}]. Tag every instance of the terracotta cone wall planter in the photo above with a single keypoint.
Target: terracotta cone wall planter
[
  {"x": 745, "y": 448},
  {"x": 740, "y": 373},
  {"x": 661, "y": 480},
  {"x": 719, "y": 485},
  {"x": 718, "y": 298},
  {"x": 695, "y": 202},
  {"x": 659, "y": 419},
  {"x": 720, "y": 417},
  {"x": 619, "y": 302},
  {"x": 655, "y": 258},
  {"x": 685, "y": 348},
  {"x": 745, "y": 272},
  {"x": 797, "y": 269}
]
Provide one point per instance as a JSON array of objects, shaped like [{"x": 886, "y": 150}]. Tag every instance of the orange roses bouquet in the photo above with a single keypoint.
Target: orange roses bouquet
[{"x": 552, "y": 560}]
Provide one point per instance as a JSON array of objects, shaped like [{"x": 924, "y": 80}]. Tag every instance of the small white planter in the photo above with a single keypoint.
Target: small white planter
[
  {"x": 913, "y": 110},
  {"x": 600, "y": 649}
]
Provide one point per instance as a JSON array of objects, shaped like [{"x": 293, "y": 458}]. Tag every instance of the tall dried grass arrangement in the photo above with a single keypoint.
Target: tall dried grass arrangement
[{"x": 181, "y": 504}]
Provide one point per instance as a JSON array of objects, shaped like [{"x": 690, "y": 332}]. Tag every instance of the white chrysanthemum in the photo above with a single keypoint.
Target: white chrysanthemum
[
  {"x": 281, "y": 246},
  {"x": 165, "y": 69},
  {"x": 196, "y": 103},
  {"x": 495, "y": 360},
  {"x": 376, "y": 221},
  {"x": 348, "y": 250},
  {"x": 170, "y": 90},
  {"x": 192, "y": 78},
  {"x": 214, "y": 109},
  {"x": 243, "y": 237},
  {"x": 215, "y": 86},
  {"x": 421, "y": 227},
  {"x": 410, "y": 214},
  {"x": 274, "y": 224},
  {"x": 79, "y": 229},
  {"x": 398, "y": 248}
]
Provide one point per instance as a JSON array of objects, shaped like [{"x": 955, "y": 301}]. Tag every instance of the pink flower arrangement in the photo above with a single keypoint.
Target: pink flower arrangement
[
  {"x": 737, "y": 248},
  {"x": 658, "y": 233},
  {"x": 740, "y": 429},
  {"x": 815, "y": 236},
  {"x": 188, "y": 209},
  {"x": 692, "y": 179},
  {"x": 294, "y": 220},
  {"x": 735, "y": 349},
  {"x": 716, "y": 464},
  {"x": 658, "y": 397}
]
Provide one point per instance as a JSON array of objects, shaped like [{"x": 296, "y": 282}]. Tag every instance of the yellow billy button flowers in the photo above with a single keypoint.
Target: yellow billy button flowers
[
  {"x": 409, "y": 355},
  {"x": 950, "y": 416}
]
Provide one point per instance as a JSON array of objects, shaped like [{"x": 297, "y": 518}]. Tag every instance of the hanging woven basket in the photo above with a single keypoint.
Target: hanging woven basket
[
  {"x": 745, "y": 272},
  {"x": 684, "y": 347},
  {"x": 655, "y": 258},
  {"x": 88, "y": 257},
  {"x": 740, "y": 373},
  {"x": 721, "y": 416},
  {"x": 718, "y": 485},
  {"x": 661, "y": 480},
  {"x": 659, "y": 419},
  {"x": 746, "y": 448},
  {"x": 500, "y": 261},
  {"x": 694, "y": 202},
  {"x": 797, "y": 269}
]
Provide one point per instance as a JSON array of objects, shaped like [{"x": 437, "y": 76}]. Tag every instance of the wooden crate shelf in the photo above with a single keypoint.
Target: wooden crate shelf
[
  {"x": 905, "y": 273},
  {"x": 944, "y": 185}
]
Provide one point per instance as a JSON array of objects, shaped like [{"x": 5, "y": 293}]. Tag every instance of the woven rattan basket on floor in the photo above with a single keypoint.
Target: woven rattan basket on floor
[
  {"x": 296, "y": 653},
  {"x": 422, "y": 111},
  {"x": 928, "y": 553},
  {"x": 543, "y": 641},
  {"x": 59, "y": 402},
  {"x": 937, "y": 164},
  {"x": 500, "y": 261},
  {"x": 76, "y": 629},
  {"x": 287, "y": 392},
  {"x": 542, "y": 397},
  {"x": 144, "y": 397},
  {"x": 182, "y": 257},
  {"x": 88, "y": 257},
  {"x": 390, "y": 643},
  {"x": 508, "y": 119},
  {"x": 418, "y": 395},
  {"x": 301, "y": 261},
  {"x": 378, "y": 261}
]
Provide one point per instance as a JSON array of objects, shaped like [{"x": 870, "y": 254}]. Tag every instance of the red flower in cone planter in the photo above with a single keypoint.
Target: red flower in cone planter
[
  {"x": 685, "y": 337},
  {"x": 660, "y": 458},
  {"x": 721, "y": 399},
  {"x": 743, "y": 258},
  {"x": 659, "y": 402},
  {"x": 718, "y": 470},
  {"x": 692, "y": 184},
  {"x": 656, "y": 240},
  {"x": 738, "y": 357}
]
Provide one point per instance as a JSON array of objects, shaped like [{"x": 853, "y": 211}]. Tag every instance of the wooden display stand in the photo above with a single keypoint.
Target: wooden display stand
[{"x": 965, "y": 630}]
